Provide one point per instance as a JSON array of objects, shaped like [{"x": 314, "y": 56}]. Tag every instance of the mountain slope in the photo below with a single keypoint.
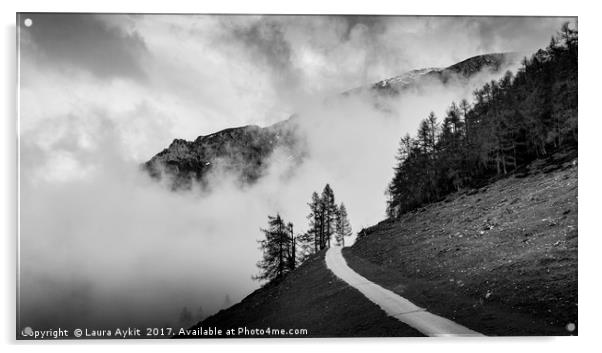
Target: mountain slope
[
  {"x": 310, "y": 298},
  {"x": 501, "y": 259}
]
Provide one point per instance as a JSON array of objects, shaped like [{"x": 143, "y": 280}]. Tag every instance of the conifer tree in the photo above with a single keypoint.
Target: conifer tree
[
  {"x": 276, "y": 250},
  {"x": 329, "y": 212},
  {"x": 292, "y": 251},
  {"x": 315, "y": 222},
  {"x": 343, "y": 228}
]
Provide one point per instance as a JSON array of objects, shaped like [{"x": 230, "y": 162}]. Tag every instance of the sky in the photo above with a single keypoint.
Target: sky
[
  {"x": 101, "y": 243},
  {"x": 183, "y": 76}
]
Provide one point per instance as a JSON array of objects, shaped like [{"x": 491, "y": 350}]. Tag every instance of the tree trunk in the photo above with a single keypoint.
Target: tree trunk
[
  {"x": 280, "y": 252},
  {"x": 293, "y": 249}
]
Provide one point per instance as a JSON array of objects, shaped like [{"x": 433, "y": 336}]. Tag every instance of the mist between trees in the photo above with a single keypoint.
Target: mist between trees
[
  {"x": 283, "y": 250},
  {"x": 512, "y": 122}
]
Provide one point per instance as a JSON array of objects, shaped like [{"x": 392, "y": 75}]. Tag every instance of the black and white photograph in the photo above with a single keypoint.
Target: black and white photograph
[{"x": 192, "y": 176}]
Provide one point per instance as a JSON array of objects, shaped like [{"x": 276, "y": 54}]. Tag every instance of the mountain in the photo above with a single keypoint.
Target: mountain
[
  {"x": 457, "y": 73},
  {"x": 244, "y": 151}
]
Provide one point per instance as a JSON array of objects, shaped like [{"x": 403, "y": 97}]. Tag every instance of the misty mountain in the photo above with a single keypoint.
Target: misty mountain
[
  {"x": 244, "y": 151},
  {"x": 458, "y": 73}
]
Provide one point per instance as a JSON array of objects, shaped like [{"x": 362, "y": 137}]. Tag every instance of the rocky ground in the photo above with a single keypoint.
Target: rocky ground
[{"x": 501, "y": 259}]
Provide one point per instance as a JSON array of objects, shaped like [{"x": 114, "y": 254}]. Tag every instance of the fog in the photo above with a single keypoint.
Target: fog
[
  {"x": 104, "y": 245},
  {"x": 112, "y": 247}
]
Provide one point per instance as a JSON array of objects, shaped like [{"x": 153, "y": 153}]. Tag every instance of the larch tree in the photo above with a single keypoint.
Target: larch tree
[
  {"x": 292, "y": 250},
  {"x": 329, "y": 213},
  {"x": 315, "y": 222},
  {"x": 276, "y": 250},
  {"x": 343, "y": 227}
]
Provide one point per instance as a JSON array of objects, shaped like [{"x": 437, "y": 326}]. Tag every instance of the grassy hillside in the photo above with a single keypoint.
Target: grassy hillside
[
  {"x": 501, "y": 259},
  {"x": 310, "y": 298}
]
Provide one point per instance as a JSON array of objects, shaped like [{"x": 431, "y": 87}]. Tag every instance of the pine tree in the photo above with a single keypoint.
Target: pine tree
[
  {"x": 397, "y": 190},
  {"x": 292, "y": 251},
  {"x": 315, "y": 222},
  {"x": 329, "y": 211},
  {"x": 343, "y": 228},
  {"x": 322, "y": 221},
  {"x": 464, "y": 108},
  {"x": 305, "y": 243},
  {"x": 276, "y": 250}
]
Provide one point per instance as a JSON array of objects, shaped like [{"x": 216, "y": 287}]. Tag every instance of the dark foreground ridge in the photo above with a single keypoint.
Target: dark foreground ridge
[
  {"x": 310, "y": 298},
  {"x": 501, "y": 259}
]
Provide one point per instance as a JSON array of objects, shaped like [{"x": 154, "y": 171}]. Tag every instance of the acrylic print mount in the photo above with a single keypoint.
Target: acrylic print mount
[{"x": 261, "y": 176}]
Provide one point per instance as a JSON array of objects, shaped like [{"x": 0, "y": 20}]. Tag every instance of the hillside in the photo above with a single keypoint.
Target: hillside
[
  {"x": 501, "y": 259},
  {"x": 310, "y": 298}
]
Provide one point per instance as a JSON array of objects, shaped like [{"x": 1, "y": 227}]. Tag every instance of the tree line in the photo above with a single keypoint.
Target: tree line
[
  {"x": 511, "y": 122},
  {"x": 283, "y": 250}
]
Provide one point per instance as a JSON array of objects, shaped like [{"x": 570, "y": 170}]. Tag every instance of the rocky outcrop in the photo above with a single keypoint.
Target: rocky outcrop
[{"x": 243, "y": 151}]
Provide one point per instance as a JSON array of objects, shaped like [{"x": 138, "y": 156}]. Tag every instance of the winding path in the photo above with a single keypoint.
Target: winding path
[{"x": 393, "y": 304}]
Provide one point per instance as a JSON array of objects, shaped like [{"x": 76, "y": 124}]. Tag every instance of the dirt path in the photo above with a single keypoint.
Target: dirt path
[{"x": 393, "y": 304}]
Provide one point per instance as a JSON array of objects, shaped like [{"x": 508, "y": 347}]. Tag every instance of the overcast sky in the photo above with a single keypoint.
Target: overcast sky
[{"x": 162, "y": 77}]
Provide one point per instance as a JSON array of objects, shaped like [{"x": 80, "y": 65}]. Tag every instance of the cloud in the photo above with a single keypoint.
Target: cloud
[
  {"x": 188, "y": 68},
  {"x": 112, "y": 248},
  {"x": 85, "y": 42},
  {"x": 323, "y": 55},
  {"x": 265, "y": 39}
]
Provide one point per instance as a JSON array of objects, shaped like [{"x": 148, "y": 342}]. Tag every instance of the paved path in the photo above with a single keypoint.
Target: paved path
[{"x": 393, "y": 304}]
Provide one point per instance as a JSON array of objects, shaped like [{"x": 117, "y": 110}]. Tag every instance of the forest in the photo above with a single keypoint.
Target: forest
[{"x": 510, "y": 123}]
